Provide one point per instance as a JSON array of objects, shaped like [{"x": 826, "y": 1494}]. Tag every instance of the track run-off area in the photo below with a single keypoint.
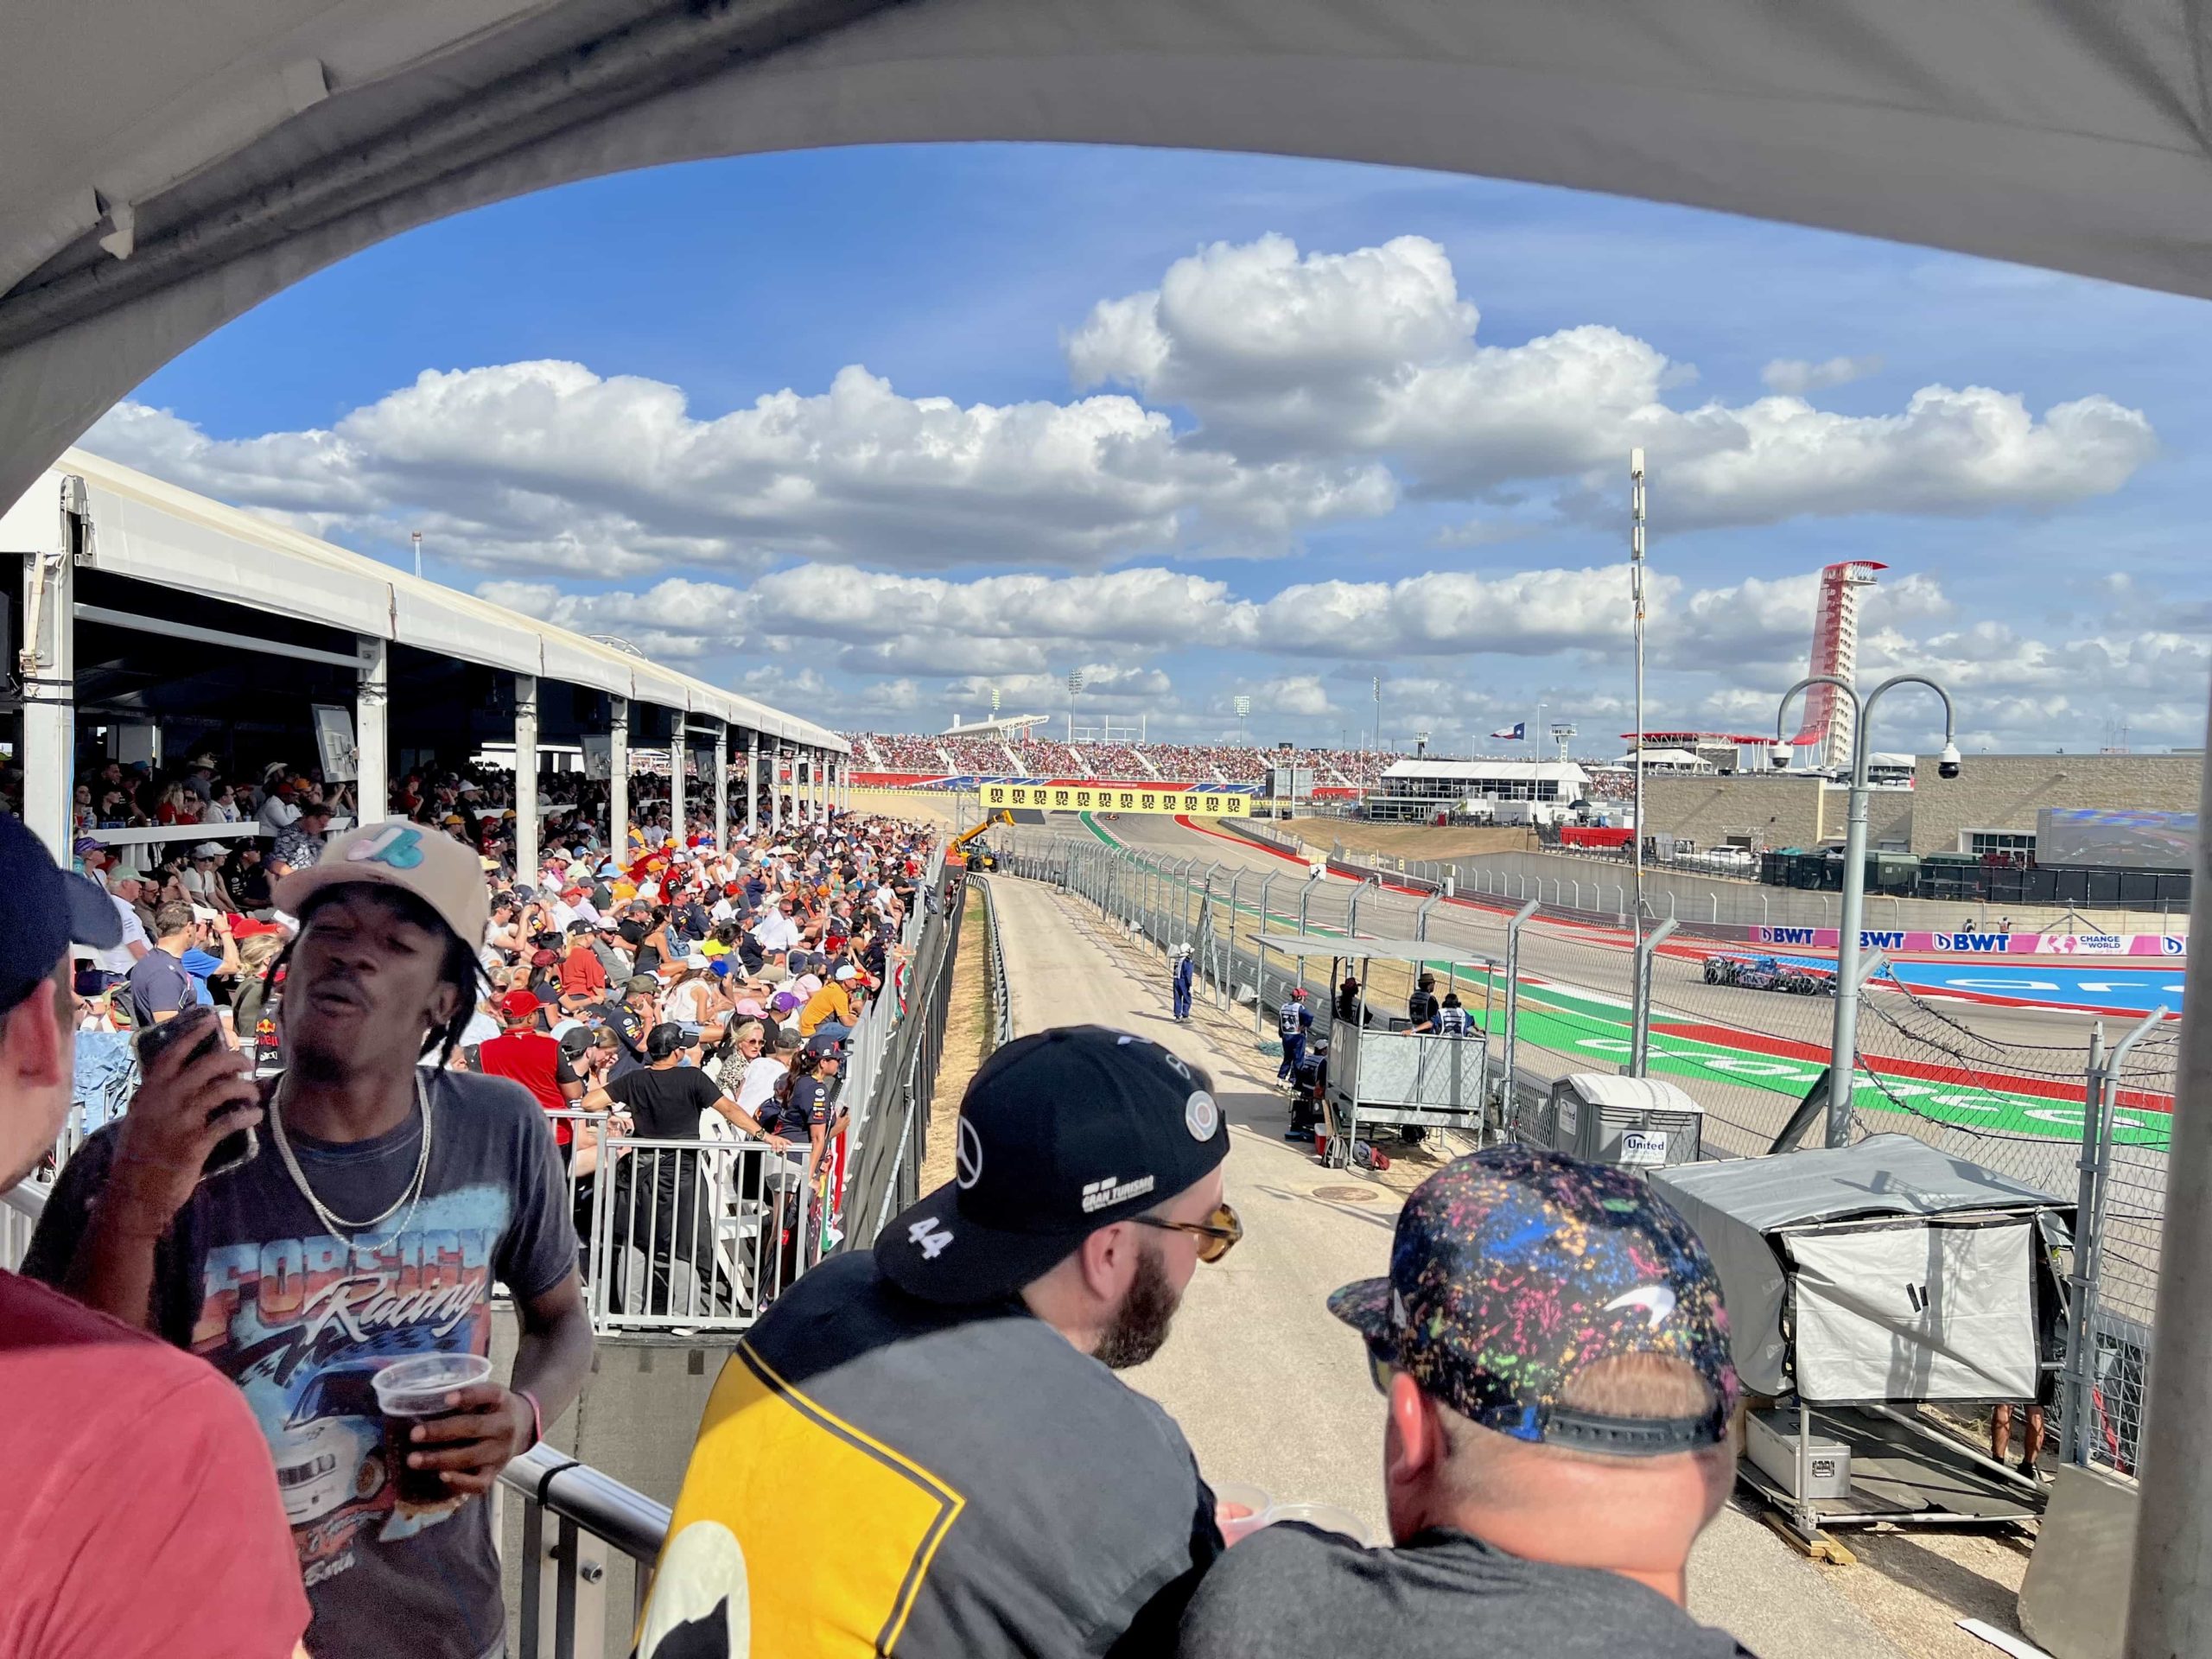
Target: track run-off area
[{"x": 1771, "y": 1043}]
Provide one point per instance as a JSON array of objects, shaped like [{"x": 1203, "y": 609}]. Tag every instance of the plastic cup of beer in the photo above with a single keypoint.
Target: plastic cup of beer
[
  {"x": 1327, "y": 1516},
  {"x": 411, "y": 1391},
  {"x": 1242, "y": 1508}
]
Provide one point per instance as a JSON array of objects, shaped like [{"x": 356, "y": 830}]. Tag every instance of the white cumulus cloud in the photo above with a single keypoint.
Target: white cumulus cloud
[{"x": 1375, "y": 354}]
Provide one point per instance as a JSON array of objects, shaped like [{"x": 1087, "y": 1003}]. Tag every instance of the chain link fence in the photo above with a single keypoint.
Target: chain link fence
[{"x": 1563, "y": 956}]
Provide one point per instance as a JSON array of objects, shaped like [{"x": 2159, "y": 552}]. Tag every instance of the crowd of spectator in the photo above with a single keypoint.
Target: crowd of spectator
[
  {"x": 1043, "y": 757},
  {"x": 904, "y": 752},
  {"x": 667, "y": 989},
  {"x": 1530, "y": 1487}
]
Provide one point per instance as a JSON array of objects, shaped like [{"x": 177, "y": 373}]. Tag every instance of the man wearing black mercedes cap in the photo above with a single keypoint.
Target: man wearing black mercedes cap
[
  {"x": 1561, "y": 1397},
  {"x": 935, "y": 1422}
]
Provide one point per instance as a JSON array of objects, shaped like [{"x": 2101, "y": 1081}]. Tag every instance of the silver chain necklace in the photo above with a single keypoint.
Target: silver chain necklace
[{"x": 337, "y": 1224}]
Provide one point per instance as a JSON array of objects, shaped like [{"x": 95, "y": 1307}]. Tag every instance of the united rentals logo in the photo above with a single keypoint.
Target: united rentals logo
[{"x": 1106, "y": 1193}]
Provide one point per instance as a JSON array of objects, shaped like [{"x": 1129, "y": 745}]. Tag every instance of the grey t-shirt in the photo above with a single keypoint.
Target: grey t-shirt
[
  {"x": 1289, "y": 1591},
  {"x": 251, "y": 1281},
  {"x": 875, "y": 1474}
]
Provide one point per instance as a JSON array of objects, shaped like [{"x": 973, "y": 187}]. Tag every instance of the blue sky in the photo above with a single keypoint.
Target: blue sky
[{"x": 1237, "y": 459}]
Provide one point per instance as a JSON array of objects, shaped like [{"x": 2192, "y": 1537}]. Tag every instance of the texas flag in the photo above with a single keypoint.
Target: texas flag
[{"x": 1518, "y": 731}]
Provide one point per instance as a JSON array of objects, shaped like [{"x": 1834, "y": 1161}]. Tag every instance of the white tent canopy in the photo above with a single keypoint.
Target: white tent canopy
[{"x": 163, "y": 167}]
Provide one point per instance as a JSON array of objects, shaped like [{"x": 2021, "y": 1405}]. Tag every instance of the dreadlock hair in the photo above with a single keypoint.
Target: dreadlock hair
[{"x": 461, "y": 968}]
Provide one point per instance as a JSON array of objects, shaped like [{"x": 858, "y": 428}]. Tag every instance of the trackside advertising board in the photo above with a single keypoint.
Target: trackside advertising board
[
  {"x": 1102, "y": 798},
  {"x": 2167, "y": 945}
]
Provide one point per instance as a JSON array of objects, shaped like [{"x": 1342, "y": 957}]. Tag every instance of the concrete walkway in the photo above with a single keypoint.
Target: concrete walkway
[{"x": 1266, "y": 1386}]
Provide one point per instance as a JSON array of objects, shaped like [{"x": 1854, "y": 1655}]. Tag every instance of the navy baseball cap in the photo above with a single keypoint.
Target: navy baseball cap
[
  {"x": 1060, "y": 1134},
  {"x": 1515, "y": 1269},
  {"x": 43, "y": 911}
]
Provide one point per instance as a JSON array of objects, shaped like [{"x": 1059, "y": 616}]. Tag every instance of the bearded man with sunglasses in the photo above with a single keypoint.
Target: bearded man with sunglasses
[{"x": 939, "y": 1417}]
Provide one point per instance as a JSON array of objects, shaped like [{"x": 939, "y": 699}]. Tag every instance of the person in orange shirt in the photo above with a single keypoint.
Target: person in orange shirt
[{"x": 829, "y": 1013}]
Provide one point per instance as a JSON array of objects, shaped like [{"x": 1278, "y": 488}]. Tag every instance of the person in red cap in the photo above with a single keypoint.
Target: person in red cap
[{"x": 533, "y": 1058}]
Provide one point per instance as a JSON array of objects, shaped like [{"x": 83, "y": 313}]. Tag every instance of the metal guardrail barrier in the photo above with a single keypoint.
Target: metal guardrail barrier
[
  {"x": 1001, "y": 1001},
  {"x": 884, "y": 1164},
  {"x": 594, "y": 1519}
]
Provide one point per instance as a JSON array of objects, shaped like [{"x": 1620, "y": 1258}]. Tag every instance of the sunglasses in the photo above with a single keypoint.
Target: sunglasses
[
  {"x": 1378, "y": 1372},
  {"x": 1217, "y": 1234}
]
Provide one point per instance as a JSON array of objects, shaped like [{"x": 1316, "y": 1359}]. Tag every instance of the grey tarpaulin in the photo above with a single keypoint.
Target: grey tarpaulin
[
  {"x": 164, "y": 168},
  {"x": 1929, "y": 1312}
]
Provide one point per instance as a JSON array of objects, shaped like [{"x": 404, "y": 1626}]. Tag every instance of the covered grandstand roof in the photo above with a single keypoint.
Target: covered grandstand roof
[{"x": 160, "y": 533}]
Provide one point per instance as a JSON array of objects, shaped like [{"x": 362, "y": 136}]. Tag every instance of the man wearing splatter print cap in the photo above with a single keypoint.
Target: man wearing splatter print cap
[{"x": 1553, "y": 1352}]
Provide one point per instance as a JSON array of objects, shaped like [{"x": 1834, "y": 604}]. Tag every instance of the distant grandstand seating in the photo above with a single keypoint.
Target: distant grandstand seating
[{"x": 1041, "y": 756}]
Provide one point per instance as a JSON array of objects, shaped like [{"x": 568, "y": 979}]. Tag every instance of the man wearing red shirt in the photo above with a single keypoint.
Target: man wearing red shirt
[
  {"x": 143, "y": 1517},
  {"x": 533, "y": 1059},
  {"x": 583, "y": 977}
]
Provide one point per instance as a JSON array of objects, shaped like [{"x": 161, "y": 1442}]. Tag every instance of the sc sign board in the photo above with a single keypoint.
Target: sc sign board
[{"x": 1074, "y": 797}]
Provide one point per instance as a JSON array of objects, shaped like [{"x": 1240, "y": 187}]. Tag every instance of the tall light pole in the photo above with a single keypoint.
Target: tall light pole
[
  {"x": 1378, "y": 711},
  {"x": 417, "y": 537},
  {"x": 1243, "y": 706},
  {"x": 1843, "y": 1049},
  {"x": 1074, "y": 684},
  {"x": 1635, "y": 595}
]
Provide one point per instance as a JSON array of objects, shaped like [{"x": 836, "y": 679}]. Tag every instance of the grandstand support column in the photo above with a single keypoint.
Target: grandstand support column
[
  {"x": 776, "y": 791},
  {"x": 49, "y": 692},
  {"x": 371, "y": 729},
  {"x": 752, "y": 782},
  {"x": 679, "y": 741},
  {"x": 617, "y": 779},
  {"x": 722, "y": 786},
  {"x": 527, "y": 819}
]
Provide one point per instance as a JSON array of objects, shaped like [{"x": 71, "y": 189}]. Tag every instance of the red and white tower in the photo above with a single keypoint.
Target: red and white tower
[{"x": 1835, "y": 651}]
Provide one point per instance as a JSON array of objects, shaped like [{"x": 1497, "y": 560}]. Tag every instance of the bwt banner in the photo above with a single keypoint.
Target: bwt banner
[
  {"x": 1079, "y": 798},
  {"x": 1985, "y": 944}
]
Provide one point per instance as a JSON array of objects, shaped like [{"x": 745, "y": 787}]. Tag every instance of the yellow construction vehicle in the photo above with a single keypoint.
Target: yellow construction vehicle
[{"x": 982, "y": 858}]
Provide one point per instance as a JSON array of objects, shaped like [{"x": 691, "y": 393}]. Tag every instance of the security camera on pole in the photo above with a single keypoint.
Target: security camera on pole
[{"x": 1843, "y": 1050}]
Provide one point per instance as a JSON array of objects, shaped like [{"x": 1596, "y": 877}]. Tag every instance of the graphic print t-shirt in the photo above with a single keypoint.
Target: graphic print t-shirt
[{"x": 251, "y": 1281}]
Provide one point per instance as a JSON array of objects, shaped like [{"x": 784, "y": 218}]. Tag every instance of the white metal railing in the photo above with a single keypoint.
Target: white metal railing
[{"x": 691, "y": 1234}]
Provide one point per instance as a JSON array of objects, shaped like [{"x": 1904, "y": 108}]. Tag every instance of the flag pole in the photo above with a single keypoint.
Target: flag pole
[{"x": 1636, "y": 593}]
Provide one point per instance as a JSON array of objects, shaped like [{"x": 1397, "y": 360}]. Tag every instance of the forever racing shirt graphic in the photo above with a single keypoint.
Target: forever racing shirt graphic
[{"x": 302, "y": 1324}]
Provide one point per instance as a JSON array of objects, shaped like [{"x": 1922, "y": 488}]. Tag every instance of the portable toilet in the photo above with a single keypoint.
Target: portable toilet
[{"x": 1637, "y": 1123}]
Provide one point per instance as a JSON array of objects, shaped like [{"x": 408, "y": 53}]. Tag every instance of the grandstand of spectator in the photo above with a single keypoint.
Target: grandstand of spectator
[{"x": 1039, "y": 756}]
